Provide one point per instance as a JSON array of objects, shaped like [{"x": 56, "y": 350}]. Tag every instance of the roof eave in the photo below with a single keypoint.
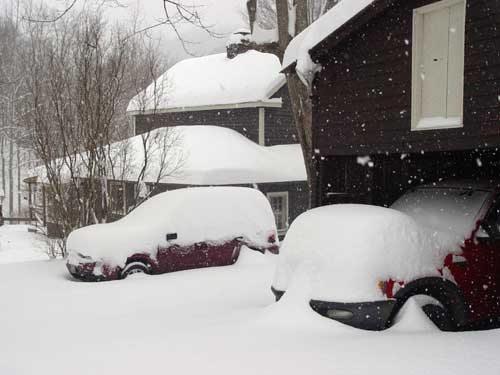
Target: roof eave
[{"x": 266, "y": 103}]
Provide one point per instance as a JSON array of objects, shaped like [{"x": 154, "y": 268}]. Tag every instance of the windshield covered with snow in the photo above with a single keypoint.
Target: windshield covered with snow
[{"x": 444, "y": 209}]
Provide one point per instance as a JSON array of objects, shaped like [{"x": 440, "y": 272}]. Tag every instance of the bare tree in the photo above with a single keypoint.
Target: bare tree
[
  {"x": 81, "y": 75},
  {"x": 293, "y": 17},
  {"x": 12, "y": 89}
]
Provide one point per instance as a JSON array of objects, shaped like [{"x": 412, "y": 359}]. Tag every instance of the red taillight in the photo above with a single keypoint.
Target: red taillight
[{"x": 272, "y": 238}]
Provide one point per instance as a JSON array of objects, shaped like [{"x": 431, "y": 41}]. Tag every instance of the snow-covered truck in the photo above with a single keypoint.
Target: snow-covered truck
[
  {"x": 176, "y": 230},
  {"x": 359, "y": 264}
]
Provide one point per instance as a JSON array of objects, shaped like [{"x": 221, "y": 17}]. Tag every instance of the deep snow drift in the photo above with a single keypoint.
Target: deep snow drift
[
  {"x": 211, "y": 321},
  {"x": 19, "y": 245}
]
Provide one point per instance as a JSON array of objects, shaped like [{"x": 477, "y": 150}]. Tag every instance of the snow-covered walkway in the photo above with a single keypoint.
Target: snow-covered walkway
[
  {"x": 19, "y": 245},
  {"x": 211, "y": 321}
]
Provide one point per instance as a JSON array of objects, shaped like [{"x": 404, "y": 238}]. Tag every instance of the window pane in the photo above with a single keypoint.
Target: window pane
[{"x": 434, "y": 68}]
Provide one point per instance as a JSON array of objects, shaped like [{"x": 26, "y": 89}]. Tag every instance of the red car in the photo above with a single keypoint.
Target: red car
[
  {"x": 177, "y": 230},
  {"x": 463, "y": 289}
]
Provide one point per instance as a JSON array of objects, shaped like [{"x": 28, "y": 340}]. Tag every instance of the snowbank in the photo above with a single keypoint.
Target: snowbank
[
  {"x": 212, "y": 321},
  {"x": 215, "y": 214},
  {"x": 210, "y": 80},
  {"x": 339, "y": 253},
  {"x": 17, "y": 244},
  {"x": 199, "y": 155},
  {"x": 298, "y": 49}
]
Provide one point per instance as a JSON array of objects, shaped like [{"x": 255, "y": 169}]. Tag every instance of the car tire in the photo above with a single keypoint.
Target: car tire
[
  {"x": 134, "y": 268},
  {"x": 440, "y": 317},
  {"x": 454, "y": 309}
]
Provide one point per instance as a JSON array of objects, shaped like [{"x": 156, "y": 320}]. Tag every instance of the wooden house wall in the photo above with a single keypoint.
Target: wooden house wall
[
  {"x": 362, "y": 97},
  {"x": 345, "y": 180},
  {"x": 242, "y": 120},
  {"x": 280, "y": 126}
]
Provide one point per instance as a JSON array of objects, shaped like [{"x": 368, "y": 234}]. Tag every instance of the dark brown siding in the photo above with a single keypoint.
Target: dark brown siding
[
  {"x": 344, "y": 180},
  {"x": 243, "y": 120},
  {"x": 362, "y": 97},
  {"x": 280, "y": 128}
]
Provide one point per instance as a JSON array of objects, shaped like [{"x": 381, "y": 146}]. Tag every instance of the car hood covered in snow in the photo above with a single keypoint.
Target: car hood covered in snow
[
  {"x": 340, "y": 252},
  {"x": 214, "y": 214}
]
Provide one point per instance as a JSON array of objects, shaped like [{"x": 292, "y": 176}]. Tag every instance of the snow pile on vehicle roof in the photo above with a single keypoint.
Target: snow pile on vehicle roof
[
  {"x": 449, "y": 209},
  {"x": 196, "y": 155},
  {"x": 298, "y": 49},
  {"x": 339, "y": 253},
  {"x": 210, "y": 80},
  {"x": 209, "y": 214}
]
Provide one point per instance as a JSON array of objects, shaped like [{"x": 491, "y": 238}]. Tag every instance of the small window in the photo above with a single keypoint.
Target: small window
[
  {"x": 117, "y": 197},
  {"x": 279, "y": 204},
  {"x": 438, "y": 65}
]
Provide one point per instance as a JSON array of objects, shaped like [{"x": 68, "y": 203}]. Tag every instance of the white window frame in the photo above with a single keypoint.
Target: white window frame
[
  {"x": 417, "y": 53},
  {"x": 286, "y": 205}
]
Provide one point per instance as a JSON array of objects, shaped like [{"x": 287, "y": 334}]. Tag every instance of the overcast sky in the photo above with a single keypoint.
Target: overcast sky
[{"x": 224, "y": 16}]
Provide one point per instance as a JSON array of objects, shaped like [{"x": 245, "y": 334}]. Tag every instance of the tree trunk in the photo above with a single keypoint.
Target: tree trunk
[
  {"x": 18, "y": 181},
  {"x": 11, "y": 177},
  {"x": 252, "y": 12},
  {"x": 302, "y": 114},
  {"x": 298, "y": 91},
  {"x": 2, "y": 155}
]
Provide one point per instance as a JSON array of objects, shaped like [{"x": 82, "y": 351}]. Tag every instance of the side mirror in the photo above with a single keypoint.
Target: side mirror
[
  {"x": 488, "y": 232},
  {"x": 171, "y": 236},
  {"x": 482, "y": 235}
]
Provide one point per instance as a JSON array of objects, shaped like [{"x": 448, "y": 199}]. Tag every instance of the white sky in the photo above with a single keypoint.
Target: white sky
[{"x": 224, "y": 16}]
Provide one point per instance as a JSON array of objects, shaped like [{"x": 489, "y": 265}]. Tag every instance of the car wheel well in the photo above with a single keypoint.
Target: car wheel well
[
  {"x": 135, "y": 264},
  {"x": 442, "y": 290},
  {"x": 141, "y": 259}
]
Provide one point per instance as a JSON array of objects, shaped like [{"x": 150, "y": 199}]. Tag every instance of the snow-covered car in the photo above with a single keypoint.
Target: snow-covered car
[
  {"x": 176, "y": 230},
  {"x": 359, "y": 264}
]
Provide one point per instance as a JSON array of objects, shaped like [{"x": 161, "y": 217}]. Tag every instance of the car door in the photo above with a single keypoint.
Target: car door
[
  {"x": 477, "y": 269},
  {"x": 177, "y": 258},
  {"x": 222, "y": 254}
]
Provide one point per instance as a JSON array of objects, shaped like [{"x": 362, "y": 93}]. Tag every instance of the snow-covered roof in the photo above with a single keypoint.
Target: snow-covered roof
[
  {"x": 340, "y": 14},
  {"x": 200, "y": 155},
  {"x": 213, "y": 80}
]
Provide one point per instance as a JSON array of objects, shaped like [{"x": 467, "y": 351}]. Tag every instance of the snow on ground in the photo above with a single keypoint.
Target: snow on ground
[
  {"x": 210, "y": 321},
  {"x": 19, "y": 245}
]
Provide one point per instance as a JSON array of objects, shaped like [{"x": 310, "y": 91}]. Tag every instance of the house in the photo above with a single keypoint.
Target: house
[
  {"x": 408, "y": 92},
  {"x": 199, "y": 156},
  {"x": 242, "y": 90},
  {"x": 245, "y": 92}
]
